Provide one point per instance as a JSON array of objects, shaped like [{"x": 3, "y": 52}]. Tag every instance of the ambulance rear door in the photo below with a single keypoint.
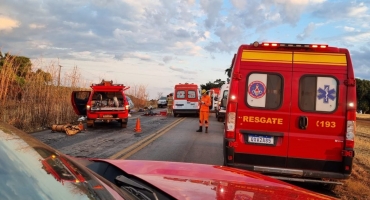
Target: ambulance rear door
[
  {"x": 263, "y": 109},
  {"x": 317, "y": 131}
]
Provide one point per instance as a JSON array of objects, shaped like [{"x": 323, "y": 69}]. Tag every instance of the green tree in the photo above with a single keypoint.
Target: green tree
[
  {"x": 363, "y": 94},
  {"x": 216, "y": 84},
  {"x": 21, "y": 64},
  {"x": 46, "y": 76}
]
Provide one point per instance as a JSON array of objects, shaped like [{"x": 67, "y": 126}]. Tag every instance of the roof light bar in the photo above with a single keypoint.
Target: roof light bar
[{"x": 268, "y": 44}]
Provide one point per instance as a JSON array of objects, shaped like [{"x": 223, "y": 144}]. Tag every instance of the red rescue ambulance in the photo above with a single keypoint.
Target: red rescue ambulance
[
  {"x": 186, "y": 99},
  {"x": 105, "y": 102},
  {"x": 291, "y": 111}
]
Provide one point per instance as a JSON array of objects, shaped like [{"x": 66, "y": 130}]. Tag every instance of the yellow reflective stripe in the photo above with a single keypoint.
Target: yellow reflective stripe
[
  {"x": 320, "y": 58},
  {"x": 267, "y": 56}
]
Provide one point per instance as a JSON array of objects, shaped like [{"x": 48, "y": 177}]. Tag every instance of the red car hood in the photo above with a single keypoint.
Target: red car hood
[{"x": 197, "y": 181}]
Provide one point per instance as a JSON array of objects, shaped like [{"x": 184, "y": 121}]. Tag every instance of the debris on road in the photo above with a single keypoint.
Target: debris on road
[
  {"x": 69, "y": 129},
  {"x": 83, "y": 118}
]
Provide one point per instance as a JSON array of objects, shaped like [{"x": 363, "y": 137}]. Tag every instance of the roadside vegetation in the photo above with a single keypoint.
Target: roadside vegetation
[
  {"x": 358, "y": 185},
  {"x": 33, "y": 99}
]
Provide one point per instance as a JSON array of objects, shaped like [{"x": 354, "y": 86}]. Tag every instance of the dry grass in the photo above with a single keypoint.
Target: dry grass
[
  {"x": 36, "y": 103},
  {"x": 363, "y": 116},
  {"x": 138, "y": 94},
  {"x": 358, "y": 185}
]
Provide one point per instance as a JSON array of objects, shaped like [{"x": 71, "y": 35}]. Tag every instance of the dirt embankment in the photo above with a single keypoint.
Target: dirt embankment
[{"x": 358, "y": 185}]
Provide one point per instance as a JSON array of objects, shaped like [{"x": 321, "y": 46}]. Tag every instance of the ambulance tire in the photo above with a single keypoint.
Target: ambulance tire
[
  {"x": 224, "y": 153},
  {"x": 174, "y": 114}
]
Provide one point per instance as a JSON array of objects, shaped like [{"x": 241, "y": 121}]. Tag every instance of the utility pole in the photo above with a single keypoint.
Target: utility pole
[{"x": 60, "y": 68}]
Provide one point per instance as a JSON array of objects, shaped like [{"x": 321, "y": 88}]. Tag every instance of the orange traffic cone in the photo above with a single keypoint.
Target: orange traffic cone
[
  {"x": 138, "y": 128},
  {"x": 81, "y": 126}
]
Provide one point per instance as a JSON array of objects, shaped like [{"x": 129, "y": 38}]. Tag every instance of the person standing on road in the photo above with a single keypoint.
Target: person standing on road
[
  {"x": 205, "y": 102},
  {"x": 169, "y": 104}
]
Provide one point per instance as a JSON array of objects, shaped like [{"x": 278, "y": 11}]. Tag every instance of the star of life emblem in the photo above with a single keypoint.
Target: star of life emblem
[{"x": 326, "y": 93}]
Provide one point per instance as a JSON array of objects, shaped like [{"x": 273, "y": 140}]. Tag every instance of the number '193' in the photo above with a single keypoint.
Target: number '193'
[{"x": 325, "y": 124}]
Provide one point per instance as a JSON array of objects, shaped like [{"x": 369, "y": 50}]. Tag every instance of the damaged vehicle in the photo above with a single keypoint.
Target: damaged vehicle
[
  {"x": 30, "y": 169},
  {"x": 105, "y": 102}
]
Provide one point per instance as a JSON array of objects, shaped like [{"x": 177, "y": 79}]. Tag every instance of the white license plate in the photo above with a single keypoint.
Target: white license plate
[
  {"x": 107, "y": 116},
  {"x": 260, "y": 139}
]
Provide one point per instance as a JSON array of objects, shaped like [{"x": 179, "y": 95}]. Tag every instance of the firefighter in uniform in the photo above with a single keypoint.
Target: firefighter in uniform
[
  {"x": 169, "y": 104},
  {"x": 204, "y": 102}
]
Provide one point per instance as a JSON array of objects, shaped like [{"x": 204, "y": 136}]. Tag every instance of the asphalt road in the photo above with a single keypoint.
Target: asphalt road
[
  {"x": 180, "y": 143},
  {"x": 183, "y": 144},
  {"x": 105, "y": 139}
]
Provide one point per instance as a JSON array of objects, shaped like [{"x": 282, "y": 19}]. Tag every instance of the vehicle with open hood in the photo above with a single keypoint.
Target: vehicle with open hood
[{"x": 105, "y": 102}]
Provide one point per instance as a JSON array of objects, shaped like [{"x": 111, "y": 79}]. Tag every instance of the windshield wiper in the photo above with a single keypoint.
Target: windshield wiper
[{"x": 130, "y": 185}]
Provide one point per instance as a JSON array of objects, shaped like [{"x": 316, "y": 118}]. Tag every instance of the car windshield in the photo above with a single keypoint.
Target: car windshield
[
  {"x": 31, "y": 170},
  {"x": 163, "y": 98}
]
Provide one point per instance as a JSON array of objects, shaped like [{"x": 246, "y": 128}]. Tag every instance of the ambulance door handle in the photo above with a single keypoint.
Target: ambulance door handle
[{"x": 303, "y": 122}]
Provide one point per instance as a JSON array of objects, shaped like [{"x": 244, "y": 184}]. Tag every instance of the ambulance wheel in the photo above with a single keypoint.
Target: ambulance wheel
[{"x": 224, "y": 153}]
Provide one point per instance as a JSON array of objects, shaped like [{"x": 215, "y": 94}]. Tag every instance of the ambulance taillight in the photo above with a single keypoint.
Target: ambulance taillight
[
  {"x": 351, "y": 111},
  {"x": 231, "y": 120},
  {"x": 231, "y": 113},
  {"x": 351, "y": 126}
]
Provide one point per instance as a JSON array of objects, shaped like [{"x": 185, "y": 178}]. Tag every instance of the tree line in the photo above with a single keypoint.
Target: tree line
[{"x": 363, "y": 95}]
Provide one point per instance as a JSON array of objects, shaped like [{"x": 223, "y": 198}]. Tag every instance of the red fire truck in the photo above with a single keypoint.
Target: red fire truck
[{"x": 105, "y": 102}]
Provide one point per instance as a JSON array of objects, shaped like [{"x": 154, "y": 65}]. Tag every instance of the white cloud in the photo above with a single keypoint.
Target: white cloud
[
  {"x": 361, "y": 9},
  {"x": 349, "y": 29},
  {"x": 179, "y": 69},
  {"x": 7, "y": 23},
  {"x": 72, "y": 24},
  {"x": 360, "y": 37},
  {"x": 307, "y": 31},
  {"x": 212, "y": 9},
  {"x": 136, "y": 55},
  {"x": 36, "y": 26},
  {"x": 167, "y": 59}
]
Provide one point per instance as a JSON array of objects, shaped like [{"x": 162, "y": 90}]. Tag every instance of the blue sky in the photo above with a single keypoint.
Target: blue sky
[{"x": 159, "y": 43}]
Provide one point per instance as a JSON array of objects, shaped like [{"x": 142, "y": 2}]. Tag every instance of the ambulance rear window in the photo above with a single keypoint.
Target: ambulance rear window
[
  {"x": 318, "y": 94},
  {"x": 264, "y": 90},
  {"x": 180, "y": 94},
  {"x": 191, "y": 94}
]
